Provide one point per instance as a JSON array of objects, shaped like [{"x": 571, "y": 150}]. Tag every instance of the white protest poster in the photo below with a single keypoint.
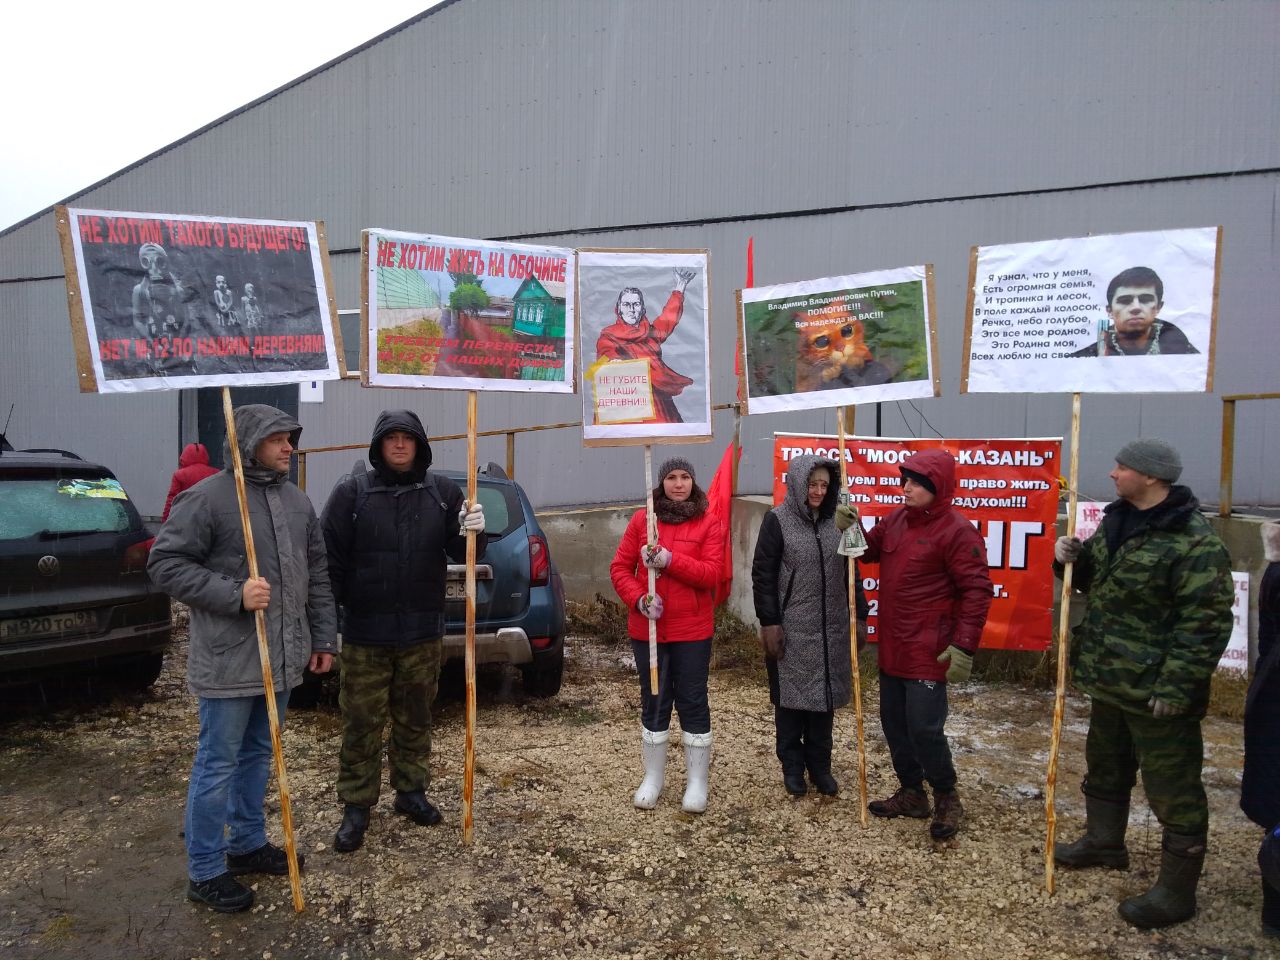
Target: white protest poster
[
  {"x": 1236, "y": 656},
  {"x": 1088, "y": 517},
  {"x": 453, "y": 314},
  {"x": 839, "y": 340},
  {"x": 1120, "y": 313},
  {"x": 646, "y": 366}
]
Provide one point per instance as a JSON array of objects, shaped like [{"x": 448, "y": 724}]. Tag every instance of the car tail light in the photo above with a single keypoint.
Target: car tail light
[
  {"x": 135, "y": 557},
  {"x": 539, "y": 562},
  {"x": 539, "y": 643}
]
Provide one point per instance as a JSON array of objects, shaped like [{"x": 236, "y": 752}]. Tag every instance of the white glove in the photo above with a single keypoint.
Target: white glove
[
  {"x": 650, "y": 605},
  {"x": 471, "y": 518},
  {"x": 1067, "y": 550},
  {"x": 656, "y": 558}
]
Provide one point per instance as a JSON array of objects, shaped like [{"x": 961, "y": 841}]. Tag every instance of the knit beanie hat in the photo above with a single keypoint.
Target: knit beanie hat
[
  {"x": 676, "y": 463},
  {"x": 1155, "y": 458},
  {"x": 919, "y": 478}
]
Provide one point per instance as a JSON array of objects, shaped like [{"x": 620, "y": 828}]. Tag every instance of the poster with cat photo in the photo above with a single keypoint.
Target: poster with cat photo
[
  {"x": 839, "y": 340},
  {"x": 646, "y": 368}
]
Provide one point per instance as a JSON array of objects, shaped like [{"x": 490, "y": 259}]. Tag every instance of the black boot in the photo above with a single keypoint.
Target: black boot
[
  {"x": 1103, "y": 842},
  {"x": 789, "y": 745},
  {"x": 1270, "y": 910},
  {"x": 1173, "y": 898},
  {"x": 817, "y": 752},
  {"x": 350, "y": 835},
  {"x": 415, "y": 805}
]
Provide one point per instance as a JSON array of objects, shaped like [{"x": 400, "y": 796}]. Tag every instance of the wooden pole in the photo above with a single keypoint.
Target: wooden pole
[
  {"x": 264, "y": 655},
  {"x": 1226, "y": 469},
  {"x": 651, "y": 521},
  {"x": 1064, "y": 642},
  {"x": 469, "y": 766},
  {"x": 853, "y": 646}
]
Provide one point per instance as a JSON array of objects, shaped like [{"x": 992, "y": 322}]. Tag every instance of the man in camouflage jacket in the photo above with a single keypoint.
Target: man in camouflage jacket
[{"x": 1157, "y": 618}]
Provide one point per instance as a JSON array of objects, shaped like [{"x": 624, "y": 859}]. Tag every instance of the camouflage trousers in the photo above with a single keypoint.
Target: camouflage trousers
[
  {"x": 1168, "y": 751},
  {"x": 377, "y": 683}
]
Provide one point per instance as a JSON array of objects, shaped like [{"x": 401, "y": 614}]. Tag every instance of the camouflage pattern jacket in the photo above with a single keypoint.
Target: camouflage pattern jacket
[{"x": 1158, "y": 613}]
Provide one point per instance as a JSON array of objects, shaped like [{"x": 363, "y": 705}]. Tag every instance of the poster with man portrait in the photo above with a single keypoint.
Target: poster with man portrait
[
  {"x": 646, "y": 366},
  {"x": 447, "y": 313},
  {"x": 164, "y": 301},
  {"x": 839, "y": 340},
  {"x": 1120, "y": 313}
]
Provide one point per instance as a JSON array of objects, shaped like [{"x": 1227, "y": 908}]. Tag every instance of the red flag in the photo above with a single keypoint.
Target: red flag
[{"x": 720, "y": 504}]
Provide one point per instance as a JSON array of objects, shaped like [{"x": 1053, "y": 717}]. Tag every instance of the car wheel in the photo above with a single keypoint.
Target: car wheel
[{"x": 543, "y": 677}]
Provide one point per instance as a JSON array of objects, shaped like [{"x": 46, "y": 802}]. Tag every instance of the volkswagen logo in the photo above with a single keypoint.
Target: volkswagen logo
[{"x": 48, "y": 566}]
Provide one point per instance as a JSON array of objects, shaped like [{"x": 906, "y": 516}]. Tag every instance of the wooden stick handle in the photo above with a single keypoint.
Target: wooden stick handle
[
  {"x": 469, "y": 765},
  {"x": 651, "y": 522},
  {"x": 264, "y": 655},
  {"x": 853, "y": 644},
  {"x": 1064, "y": 643}
]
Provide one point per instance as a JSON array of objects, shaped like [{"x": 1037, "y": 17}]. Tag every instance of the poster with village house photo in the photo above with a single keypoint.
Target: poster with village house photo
[
  {"x": 1118, "y": 313},
  {"x": 448, "y": 313},
  {"x": 162, "y": 301},
  {"x": 839, "y": 340},
  {"x": 646, "y": 366}
]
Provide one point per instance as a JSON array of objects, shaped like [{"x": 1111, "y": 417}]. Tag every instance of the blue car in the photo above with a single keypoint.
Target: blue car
[{"x": 520, "y": 613}]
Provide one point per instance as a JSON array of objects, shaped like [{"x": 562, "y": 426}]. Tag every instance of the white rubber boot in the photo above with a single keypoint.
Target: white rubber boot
[
  {"x": 697, "y": 761},
  {"x": 653, "y": 750}
]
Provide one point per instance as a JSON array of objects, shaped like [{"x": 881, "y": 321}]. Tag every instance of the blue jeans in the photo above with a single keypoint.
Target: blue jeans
[
  {"x": 229, "y": 782},
  {"x": 912, "y": 716}
]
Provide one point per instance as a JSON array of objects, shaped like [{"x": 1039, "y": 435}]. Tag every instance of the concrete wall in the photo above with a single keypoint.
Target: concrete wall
[{"x": 583, "y": 542}]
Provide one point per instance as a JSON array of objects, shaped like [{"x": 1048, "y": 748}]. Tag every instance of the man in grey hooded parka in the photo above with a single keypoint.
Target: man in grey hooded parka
[{"x": 199, "y": 558}]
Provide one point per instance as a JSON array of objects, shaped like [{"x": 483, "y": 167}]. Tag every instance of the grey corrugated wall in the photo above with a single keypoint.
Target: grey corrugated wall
[{"x": 825, "y": 129}]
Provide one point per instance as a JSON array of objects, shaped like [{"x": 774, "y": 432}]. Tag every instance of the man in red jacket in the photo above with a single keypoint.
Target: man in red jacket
[{"x": 934, "y": 595}]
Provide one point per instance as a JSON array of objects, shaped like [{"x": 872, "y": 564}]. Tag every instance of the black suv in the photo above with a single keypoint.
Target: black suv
[{"x": 73, "y": 558}]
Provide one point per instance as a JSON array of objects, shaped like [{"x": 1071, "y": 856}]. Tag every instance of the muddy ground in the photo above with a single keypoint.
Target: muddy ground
[{"x": 92, "y": 866}]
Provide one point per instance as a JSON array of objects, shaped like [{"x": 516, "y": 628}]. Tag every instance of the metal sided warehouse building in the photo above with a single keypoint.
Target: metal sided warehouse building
[{"x": 843, "y": 135}]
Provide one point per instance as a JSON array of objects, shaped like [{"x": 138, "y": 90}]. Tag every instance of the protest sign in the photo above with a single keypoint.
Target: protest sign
[
  {"x": 1121, "y": 313},
  {"x": 650, "y": 306},
  {"x": 448, "y": 313},
  {"x": 1007, "y": 488},
  {"x": 1088, "y": 517},
  {"x": 839, "y": 340},
  {"x": 1236, "y": 656},
  {"x": 168, "y": 301}
]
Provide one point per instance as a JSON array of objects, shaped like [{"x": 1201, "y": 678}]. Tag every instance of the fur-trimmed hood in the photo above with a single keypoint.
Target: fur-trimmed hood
[{"x": 1271, "y": 540}]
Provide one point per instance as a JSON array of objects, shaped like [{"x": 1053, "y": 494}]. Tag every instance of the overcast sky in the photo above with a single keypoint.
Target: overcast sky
[{"x": 90, "y": 87}]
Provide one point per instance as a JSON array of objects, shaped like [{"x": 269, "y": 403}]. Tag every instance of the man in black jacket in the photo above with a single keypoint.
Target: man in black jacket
[{"x": 389, "y": 535}]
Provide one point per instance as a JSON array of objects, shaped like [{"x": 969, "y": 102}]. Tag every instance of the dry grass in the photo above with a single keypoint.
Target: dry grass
[
  {"x": 604, "y": 620},
  {"x": 1227, "y": 693}
]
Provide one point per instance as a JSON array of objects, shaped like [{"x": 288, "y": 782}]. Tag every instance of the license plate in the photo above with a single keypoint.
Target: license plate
[
  {"x": 47, "y": 626},
  {"x": 455, "y": 591}
]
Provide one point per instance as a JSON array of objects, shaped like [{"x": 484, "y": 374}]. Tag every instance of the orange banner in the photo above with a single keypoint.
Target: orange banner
[{"x": 1007, "y": 488}]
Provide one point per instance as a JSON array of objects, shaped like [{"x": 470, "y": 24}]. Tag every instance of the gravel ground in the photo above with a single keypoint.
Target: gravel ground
[{"x": 91, "y": 800}]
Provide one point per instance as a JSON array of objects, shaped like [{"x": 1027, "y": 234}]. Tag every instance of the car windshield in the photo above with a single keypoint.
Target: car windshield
[{"x": 53, "y": 506}]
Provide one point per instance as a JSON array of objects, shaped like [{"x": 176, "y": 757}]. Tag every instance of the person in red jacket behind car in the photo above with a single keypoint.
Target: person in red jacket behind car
[
  {"x": 934, "y": 595},
  {"x": 193, "y": 466},
  {"x": 688, "y": 558}
]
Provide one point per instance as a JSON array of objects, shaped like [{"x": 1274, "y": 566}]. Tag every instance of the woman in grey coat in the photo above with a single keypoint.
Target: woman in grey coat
[{"x": 800, "y": 585}]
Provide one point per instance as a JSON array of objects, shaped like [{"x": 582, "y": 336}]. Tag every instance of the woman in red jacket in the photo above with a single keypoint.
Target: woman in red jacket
[
  {"x": 193, "y": 466},
  {"x": 688, "y": 558}
]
